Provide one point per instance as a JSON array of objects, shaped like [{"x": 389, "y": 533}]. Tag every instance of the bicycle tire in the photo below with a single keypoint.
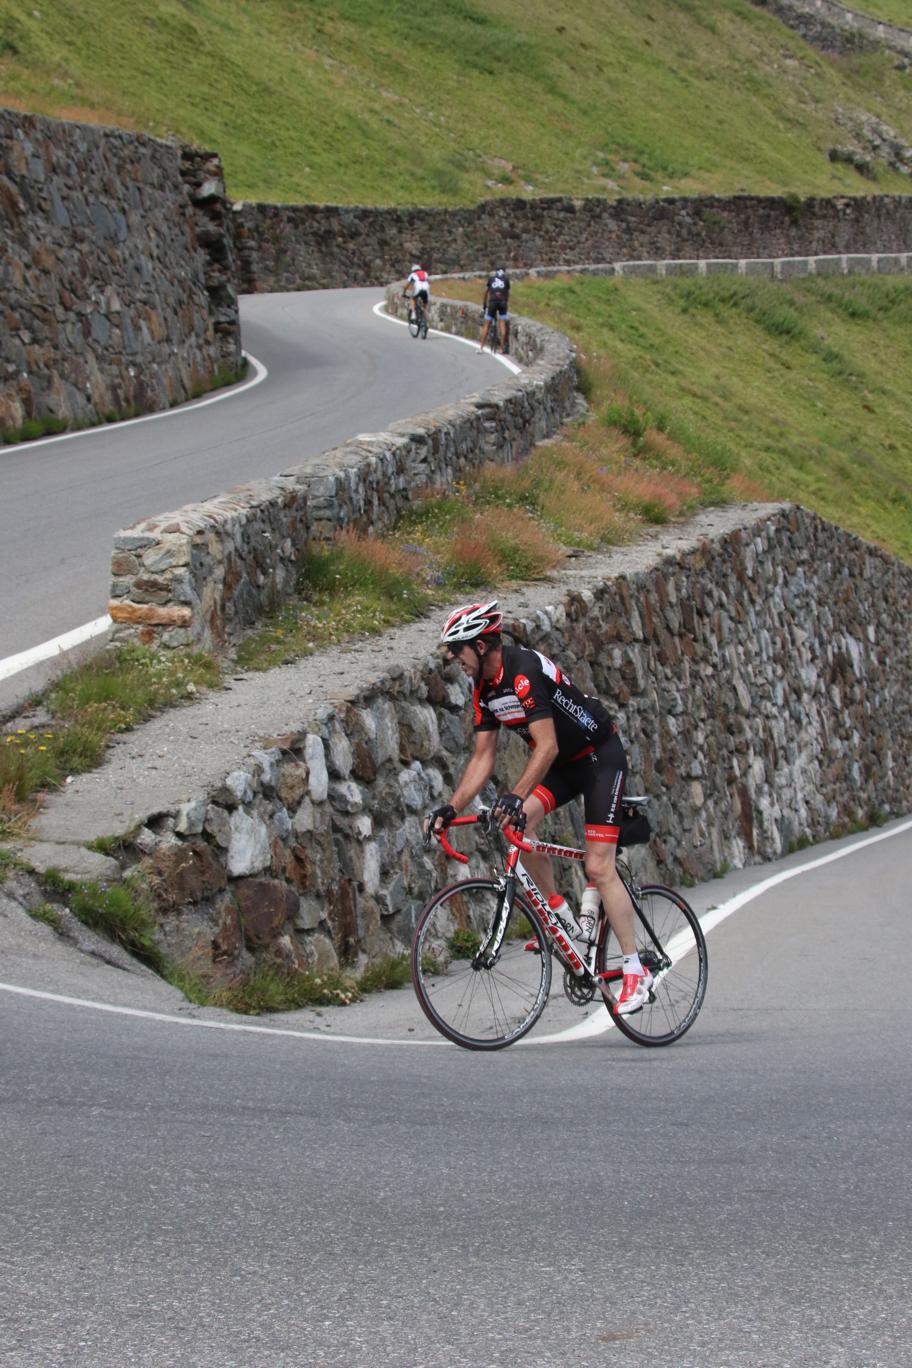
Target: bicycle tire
[
  {"x": 414, "y": 321},
  {"x": 479, "y": 1009},
  {"x": 678, "y": 991}
]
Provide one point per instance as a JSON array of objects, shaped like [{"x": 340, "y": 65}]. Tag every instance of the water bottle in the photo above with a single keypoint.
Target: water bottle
[
  {"x": 589, "y": 913},
  {"x": 562, "y": 914}
]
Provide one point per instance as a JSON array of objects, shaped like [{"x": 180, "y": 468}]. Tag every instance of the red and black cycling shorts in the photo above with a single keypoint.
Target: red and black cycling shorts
[{"x": 599, "y": 776}]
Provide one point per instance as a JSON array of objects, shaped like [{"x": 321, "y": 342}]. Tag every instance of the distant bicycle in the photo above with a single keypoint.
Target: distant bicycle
[
  {"x": 481, "y": 953},
  {"x": 417, "y": 319},
  {"x": 493, "y": 340}
]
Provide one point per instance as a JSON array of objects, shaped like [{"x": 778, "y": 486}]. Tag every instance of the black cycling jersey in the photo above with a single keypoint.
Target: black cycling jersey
[
  {"x": 528, "y": 687},
  {"x": 499, "y": 286}
]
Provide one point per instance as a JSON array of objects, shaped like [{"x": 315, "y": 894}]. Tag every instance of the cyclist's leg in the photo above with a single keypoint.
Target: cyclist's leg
[
  {"x": 502, "y": 326},
  {"x": 539, "y": 866},
  {"x": 486, "y": 323},
  {"x": 603, "y": 791},
  {"x": 559, "y": 785}
]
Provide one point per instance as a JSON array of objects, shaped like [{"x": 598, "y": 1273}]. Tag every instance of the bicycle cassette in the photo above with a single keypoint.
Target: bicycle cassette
[{"x": 579, "y": 991}]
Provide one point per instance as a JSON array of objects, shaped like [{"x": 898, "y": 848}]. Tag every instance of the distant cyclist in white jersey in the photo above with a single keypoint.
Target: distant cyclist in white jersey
[{"x": 419, "y": 285}]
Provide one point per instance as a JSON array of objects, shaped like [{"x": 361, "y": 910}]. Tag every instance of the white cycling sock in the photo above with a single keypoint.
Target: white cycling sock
[{"x": 632, "y": 964}]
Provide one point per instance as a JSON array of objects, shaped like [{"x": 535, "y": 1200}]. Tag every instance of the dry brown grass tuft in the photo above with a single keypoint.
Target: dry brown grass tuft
[
  {"x": 525, "y": 549},
  {"x": 472, "y": 557},
  {"x": 746, "y": 490},
  {"x": 384, "y": 557},
  {"x": 657, "y": 496},
  {"x": 658, "y": 446}
]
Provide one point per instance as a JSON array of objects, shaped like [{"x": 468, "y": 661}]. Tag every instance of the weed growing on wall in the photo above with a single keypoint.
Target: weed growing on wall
[{"x": 122, "y": 912}]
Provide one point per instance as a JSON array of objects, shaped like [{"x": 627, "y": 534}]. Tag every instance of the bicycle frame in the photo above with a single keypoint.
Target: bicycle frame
[
  {"x": 477, "y": 984},
  {"x": 515, "y": 872}
]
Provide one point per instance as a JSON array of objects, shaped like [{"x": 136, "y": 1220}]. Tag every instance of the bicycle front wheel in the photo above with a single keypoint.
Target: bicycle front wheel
[
  {"x": 671, "y": 945},
  {"x": 475, "y": 1007}
]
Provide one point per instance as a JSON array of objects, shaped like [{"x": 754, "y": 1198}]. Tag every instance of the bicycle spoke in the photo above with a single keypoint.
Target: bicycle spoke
[
  {"x": 481, "y": 1008},
  {"x": 678, "y": 990}
]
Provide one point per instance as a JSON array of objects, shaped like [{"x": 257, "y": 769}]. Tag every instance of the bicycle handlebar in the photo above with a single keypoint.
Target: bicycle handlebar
[{"x": 484, "y": 815}]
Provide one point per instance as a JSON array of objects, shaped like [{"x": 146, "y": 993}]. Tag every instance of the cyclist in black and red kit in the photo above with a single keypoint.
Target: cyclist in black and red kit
[
  {"x": 494, "y": 307},
  {"x": 575, "y": 749}
]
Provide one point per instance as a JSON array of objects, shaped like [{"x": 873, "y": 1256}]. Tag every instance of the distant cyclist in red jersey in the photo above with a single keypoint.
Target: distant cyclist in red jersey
[{"x": 575, "y": 750}]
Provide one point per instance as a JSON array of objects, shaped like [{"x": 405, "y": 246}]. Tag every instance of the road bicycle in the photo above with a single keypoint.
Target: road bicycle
[
  {"x": 482, "y": 949},
  {"x": 417, "y": 318},
  {"x": 493, "y": 338}
]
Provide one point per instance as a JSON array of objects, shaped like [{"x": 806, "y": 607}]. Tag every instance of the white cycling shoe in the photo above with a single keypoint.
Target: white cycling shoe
[{"x": 634, "y": 993}]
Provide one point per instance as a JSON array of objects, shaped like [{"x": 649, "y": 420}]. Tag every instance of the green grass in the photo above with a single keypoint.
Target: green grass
[
  {"x": 327, "y": 100},
  {"x": 270, "y": 988},
  {"x": 358, "y": 585},
  {"x": 897, "y": 12},
  {"x": 87, "y": 706},
  {"x": 46, "y": 913},
  {"x": 121, "y": 912},
  {"x": 793, "y": 390}
]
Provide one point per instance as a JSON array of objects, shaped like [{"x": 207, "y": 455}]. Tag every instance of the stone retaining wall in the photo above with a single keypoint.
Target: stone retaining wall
[
  {"x": 832, "y": 27},
  {"x": 204, "y": 573},
  {"x": 118, "y": 275},
  {"x": 302, "y": 247},
  {"x": 763, "y": 685}
]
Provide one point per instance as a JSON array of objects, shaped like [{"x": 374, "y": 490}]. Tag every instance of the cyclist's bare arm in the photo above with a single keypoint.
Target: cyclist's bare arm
[{"x": 541, "y": 758}]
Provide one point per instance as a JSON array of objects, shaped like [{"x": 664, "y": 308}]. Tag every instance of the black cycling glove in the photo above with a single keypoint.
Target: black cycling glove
[
  {"x": 446, "y": 813},
  {"x": 509, "y": 805}
]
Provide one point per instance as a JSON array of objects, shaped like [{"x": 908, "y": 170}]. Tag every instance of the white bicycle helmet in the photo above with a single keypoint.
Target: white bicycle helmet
[{"x": 471, "y": 620}]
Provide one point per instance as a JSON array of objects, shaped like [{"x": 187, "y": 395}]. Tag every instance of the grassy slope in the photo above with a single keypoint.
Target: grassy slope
[
  {"x": 800, "y": 386},
  {"x": 309, "y": 100},
  {"x": 888, "y": 11}
]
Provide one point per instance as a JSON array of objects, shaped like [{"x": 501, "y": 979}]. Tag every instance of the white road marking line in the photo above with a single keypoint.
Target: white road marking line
[
  {"x": 35, "y": 654},
  {"x": 380, "y": 311},
  {"x": 207, "y": 1025},
  {"x": 601, "y": 1021},
  {"x": 14, "y": 664},
  {"x": 190, "y": 406},
  {"x": 596, "y": 1024}
]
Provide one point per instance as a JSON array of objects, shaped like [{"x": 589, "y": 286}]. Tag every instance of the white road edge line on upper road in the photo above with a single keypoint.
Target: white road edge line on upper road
[
  {"x": 15, "y": 664},
  {"x": 77, "y": 636},
  {"x": 260, "y": 374},
  {"x": 380, "y": 311},
  {"x": 35, "y": 654},
  {"x": 596, "y": 1024}
]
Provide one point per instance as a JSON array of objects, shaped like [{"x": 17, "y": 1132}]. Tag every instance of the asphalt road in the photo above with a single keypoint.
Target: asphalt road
[
  {"x": 175, "y": 1195},
  {"x": 335, "y": 369}
]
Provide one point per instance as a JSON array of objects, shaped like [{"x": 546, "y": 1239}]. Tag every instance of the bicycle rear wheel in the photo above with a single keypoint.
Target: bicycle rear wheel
[
  {"x": 671, "y": 945},
  {"x": 414, "y": 320},
  {"x": 478, "y": 1008}
]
